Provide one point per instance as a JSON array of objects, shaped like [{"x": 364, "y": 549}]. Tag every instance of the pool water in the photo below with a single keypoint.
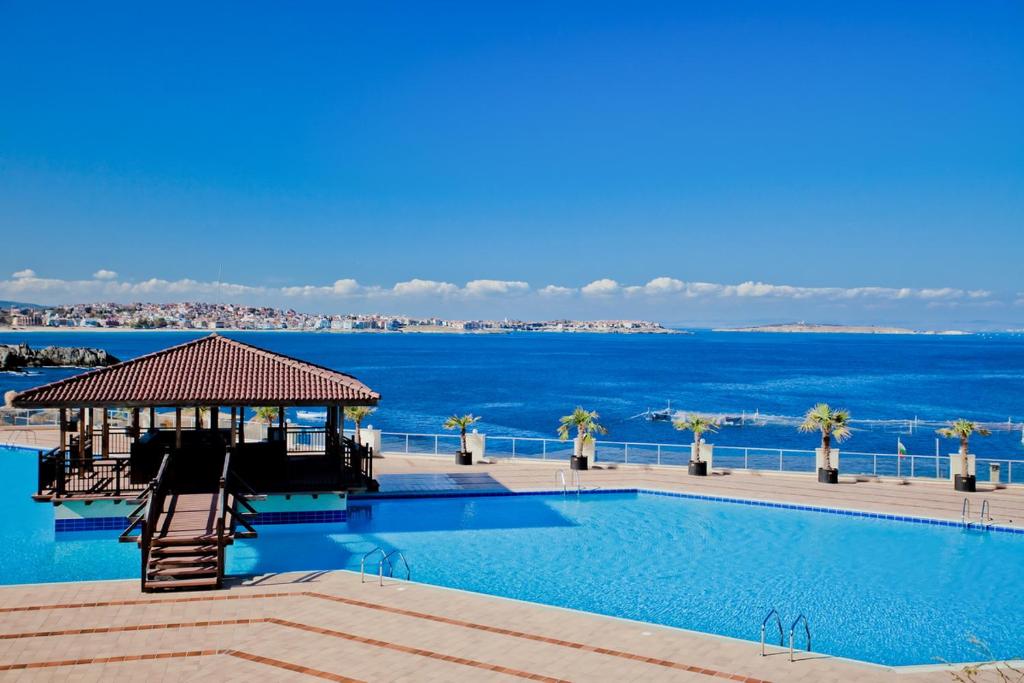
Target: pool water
[{"x": 878, "y": 590}]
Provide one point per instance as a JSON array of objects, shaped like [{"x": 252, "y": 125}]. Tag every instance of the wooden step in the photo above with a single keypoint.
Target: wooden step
[
  {"x": 182, "y": 560},
  {"x": 173, "y": 550},
  {"x": 199, "y": 570},
  {"x": 210, "y": 582},
  {"x": 183, "y": 540}
]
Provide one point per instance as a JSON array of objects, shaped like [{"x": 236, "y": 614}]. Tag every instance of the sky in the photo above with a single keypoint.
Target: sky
[{"x": 692, "y": 163}]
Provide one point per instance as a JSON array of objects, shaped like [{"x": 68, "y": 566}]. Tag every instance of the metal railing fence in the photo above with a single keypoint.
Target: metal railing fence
[{"x": 725, "y": 457}]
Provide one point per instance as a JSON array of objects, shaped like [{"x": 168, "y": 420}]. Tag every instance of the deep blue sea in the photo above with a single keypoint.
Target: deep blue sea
[{"x": 522, "y": 383}]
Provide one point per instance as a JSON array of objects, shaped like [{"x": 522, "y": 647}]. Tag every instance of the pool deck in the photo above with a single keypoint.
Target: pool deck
[{"x": 329, "y": 626}]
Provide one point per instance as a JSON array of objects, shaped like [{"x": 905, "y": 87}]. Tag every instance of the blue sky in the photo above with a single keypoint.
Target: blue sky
[{"x": 700, "y": 162}]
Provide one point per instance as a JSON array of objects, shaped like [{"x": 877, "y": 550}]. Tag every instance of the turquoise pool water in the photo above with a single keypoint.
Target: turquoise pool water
[{"x": 878, "y": 590}]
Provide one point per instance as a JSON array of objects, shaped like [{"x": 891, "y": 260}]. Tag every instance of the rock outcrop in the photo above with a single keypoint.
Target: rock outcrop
[{"x": 16, "y": 357}]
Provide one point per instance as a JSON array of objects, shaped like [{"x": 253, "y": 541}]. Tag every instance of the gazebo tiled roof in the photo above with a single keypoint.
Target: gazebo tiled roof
[{"x": 211, "y": 371}]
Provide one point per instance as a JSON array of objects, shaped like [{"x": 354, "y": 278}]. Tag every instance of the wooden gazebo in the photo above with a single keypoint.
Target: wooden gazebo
[{"x": 174, "y": 423}]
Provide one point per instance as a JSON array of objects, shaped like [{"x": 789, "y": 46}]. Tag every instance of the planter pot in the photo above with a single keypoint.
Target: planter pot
[
  {"x": 955, "y": 462},
  {"x": 833, "y": 459},
  {"x": 966, "y": 484},
  {"x": 707, "y": 454},
  {"x": 829, "y": 476},
  {"x": 698, "y": 469},
  {"x": 578, "y": 463},
  {"x": 463, "y": 458}
]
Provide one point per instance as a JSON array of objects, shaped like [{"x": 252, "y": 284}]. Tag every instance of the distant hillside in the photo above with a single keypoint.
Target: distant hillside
[
  {"x": 18, "y": 304},
  {"x": 835, "y": 329}
]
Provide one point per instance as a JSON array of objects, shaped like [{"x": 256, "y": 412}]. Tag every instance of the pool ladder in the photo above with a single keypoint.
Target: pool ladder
[
  {"x": 385, "y": 558},
  {"x": 792, "y": 632},
  {"x": 573, "y": 480},
  {"x": 984, "y": 519}
]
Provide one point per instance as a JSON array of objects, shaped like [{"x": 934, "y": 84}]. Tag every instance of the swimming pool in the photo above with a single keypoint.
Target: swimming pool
[{"x": 879, "y": 590}]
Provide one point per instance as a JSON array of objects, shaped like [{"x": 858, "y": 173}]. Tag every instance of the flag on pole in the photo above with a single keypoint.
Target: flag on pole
[{"x": 900, "y": 448}]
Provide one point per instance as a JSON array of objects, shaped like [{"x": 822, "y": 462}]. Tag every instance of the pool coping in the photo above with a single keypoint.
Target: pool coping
[{"x": 756, "y": 502}]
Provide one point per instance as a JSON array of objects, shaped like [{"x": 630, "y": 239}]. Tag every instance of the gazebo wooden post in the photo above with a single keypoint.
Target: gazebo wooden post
[
  {"x": 81, "y": 434},
  {"x": 63, "y": 430},
  {"x": 280, "y": 420},
  {"x": 234, "y": 427},
  {"x": 214, "y": 418},
  {"x": 241, "y": 424},
  {"x": 177, "y": 427},
  {"x": 105, "y": 434},
  {"x": 198, "y": 420},
  {"x": 136, "y": 428},
  {"x": 152, "y": 417}
]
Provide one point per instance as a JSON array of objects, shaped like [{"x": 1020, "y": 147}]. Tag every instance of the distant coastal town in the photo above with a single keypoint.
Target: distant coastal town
[{"x": 204, "y": 316}]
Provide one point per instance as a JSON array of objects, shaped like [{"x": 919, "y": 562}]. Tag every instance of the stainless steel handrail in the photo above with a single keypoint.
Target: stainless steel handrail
[
  {"x": 792, "y": 630},
  {"x": 764, "y": 623},
  {"x": 965, "y": 512},
  {"x": 985, "y": 518},
  {"x": 391, "y": 573},
  {"x": 362, "y": 563}
]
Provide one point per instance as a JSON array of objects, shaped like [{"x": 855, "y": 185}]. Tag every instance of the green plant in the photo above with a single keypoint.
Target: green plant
[
  {"x": 962, "y": 429},
  {"x": 833, "y": 424},
  {"x": 586, "y": 425},
  {"x": 698, "y": 425},
  {"x": 267, "y": 414},
  {"x": 357, "y": 414},
  {"x": 461, "y": 422}
]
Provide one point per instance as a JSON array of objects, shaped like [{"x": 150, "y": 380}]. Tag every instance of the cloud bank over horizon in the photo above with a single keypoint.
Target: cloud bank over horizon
[{"x": 664, "y": 298}]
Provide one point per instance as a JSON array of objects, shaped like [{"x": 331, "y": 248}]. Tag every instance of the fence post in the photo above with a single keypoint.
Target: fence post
[
  {"x": 436, "y": 451},
  {"x": 746, "y": 460},
  {"x": 543, "y": 449},
  {"x": 117, "y": 477},
  {"x": 780, "y": 461},
  {"x": 513, "y": 446},
  {"x": 874, "y": 464},
  {"x": 912, "y": 470},
  {"x": 659, "y": 453},
  {"x": 406, "y": 444},
  {"x": 625, "y": 454}
]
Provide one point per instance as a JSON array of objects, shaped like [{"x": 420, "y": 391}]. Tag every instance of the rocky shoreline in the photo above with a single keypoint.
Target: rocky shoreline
[{"x": 19, "y": 356}]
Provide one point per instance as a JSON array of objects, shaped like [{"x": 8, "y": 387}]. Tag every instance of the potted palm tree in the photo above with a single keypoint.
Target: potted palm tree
[
  {"x": 357, "y": 414},
  {"x": 962, "y": 429},
  {"x": 698, "y": 425},
  {"x": 462, "y": 422},
  {"x": 833, "y": 424},
  {"x": 586, "y": 425}
]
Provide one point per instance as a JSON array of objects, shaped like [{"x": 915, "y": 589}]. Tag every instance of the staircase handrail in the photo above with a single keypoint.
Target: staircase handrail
[
  {"x": 154, "y": 506},
  {"x": 222, "y": 506}
]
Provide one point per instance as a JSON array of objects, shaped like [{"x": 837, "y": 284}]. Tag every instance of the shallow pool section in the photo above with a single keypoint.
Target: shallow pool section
[{"x": 879, "y": 590}]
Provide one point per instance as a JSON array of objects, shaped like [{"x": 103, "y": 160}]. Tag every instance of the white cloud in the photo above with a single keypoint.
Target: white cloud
[
  {"x": 602, "y": 287},
  {"x": 417, "y": 287},
  {"x": 664, "y": 285},
  {"x": 495, "y": 287},
  {"x": 556, "y": 290},
  {"x": 105, "y": 285}
]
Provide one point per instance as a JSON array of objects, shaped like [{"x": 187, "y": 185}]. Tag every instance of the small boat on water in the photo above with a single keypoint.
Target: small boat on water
[{"x": 311, "y": 415}]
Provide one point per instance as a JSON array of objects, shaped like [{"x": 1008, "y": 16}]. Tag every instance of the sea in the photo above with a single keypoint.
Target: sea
[{"x": 521, "y": 383}]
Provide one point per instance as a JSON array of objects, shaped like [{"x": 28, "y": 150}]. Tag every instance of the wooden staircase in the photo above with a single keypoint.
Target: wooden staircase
[{"x": 183, "y": 536}]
